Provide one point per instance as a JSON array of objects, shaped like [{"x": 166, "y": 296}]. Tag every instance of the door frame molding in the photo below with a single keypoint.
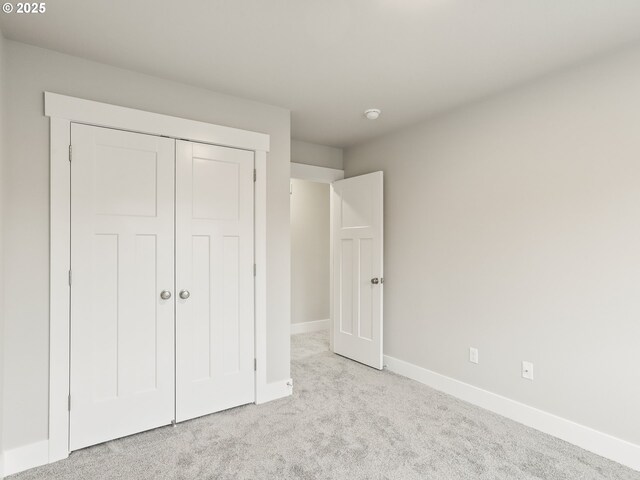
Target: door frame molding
[
  {"x": 313, "y": 173},
  {"x": 63, "y": 111}
]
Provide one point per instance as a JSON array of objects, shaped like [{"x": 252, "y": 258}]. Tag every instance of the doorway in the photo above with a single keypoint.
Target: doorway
[
  {"x": 337, "y": 260},
  {"x": 310, "y": 191},
  {"x": 310, "y": 256}
]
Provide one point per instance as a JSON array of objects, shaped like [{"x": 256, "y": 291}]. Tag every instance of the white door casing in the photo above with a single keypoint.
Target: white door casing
[
  {"x": 122, "y": 237},
  {"x": 357, "y": 273},
  {"x": 215, "y": 264}
]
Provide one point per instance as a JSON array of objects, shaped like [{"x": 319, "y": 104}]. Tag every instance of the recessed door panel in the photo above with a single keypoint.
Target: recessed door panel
[
  {"x": 365, "y": 287},
  {"x": 229, "y": 315},
  {"x": 125, "y": 181},
  {"x": 201, "y": 305},
  {"x": 139, "y": 332},
  {"x": 214, "y": 259},
  {"x": 104, "y": 334},
  {"x": 216, "y": 189},
  {"x": 347, "y": 296},
  {"x": 122, "y": 337}
]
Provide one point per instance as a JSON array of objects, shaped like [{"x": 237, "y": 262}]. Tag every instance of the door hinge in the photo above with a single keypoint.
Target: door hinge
[
  {"x": 69, "y": 277},
  {"x": 70, "y": 152},
  {"x": 254, "y": 269},
  {"x": 255, "y": 365},
  {"x": 69, "y": 403},
  {"x": 255, "y": 175}
]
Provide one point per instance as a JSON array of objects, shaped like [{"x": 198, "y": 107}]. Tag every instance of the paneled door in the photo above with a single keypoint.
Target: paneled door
[
  {"x": 357, "y": 271},
  {"x": 214, "y": 279},
  {"x": 122, "y": 278}
]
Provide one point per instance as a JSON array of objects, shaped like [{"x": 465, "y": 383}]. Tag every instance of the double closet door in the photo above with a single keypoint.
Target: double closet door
[{"x": 162, "y": 321}]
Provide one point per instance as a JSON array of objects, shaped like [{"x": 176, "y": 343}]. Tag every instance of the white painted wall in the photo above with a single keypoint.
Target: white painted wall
[
  {"x": 309, "y": 251},
  {"x": 513, "y": 226},
  {"x": 26, "y": 186},
  {"x": 315, "y": 154}
]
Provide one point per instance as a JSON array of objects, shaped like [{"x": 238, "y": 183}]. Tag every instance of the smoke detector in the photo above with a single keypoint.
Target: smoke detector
[{"x": 372, "y": 113}]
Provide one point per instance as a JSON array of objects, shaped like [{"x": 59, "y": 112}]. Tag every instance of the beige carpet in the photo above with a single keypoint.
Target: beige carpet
[{"x": 344, "y": 421}]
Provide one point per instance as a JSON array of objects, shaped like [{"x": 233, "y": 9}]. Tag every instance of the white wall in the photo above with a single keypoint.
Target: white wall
[
  {"x": 309, "y": 251},
  {"x": 513, "y": 225},
  {"x": 315, "y": 154},
  {"x": 26, "y": 185}
]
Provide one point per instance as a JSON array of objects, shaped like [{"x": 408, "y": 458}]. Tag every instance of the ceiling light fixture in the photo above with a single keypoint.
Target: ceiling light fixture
[{"x": 372, "y": 113}]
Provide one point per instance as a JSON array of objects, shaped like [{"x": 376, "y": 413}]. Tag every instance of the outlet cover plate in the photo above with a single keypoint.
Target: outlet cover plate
[
  {"x": 527, "y": 370},
  {"x": 473, "y": 355}
]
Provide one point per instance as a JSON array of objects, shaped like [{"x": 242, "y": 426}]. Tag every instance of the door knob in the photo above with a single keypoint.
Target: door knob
[
  {"x": 375, "y": 281},
  {"x": 184, "y": 294},
  {"x": 165, "y": 294}
]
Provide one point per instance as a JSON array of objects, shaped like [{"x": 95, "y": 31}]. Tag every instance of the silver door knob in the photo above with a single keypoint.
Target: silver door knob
[
  {"x": 375, "y": 281},
  {"x": 184, "y": 294},
  {"x": 165, "y": 294}
]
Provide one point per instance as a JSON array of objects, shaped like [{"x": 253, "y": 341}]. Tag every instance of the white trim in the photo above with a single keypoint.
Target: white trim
[
  {"x": 585, "y": 437},
  {"x": 113, "y": 116},
  {"x": 332, "y": 205},
  {"x": 63, "y": 111},
  {"x": 260, "y": 308},
  {"x": 312, "y": 173},
  {"x": 59, "y": 296},
  {"x": 28, "y": 456},
  {"x": 275, "y": 390},
  {"x": 308, "y": 327}
]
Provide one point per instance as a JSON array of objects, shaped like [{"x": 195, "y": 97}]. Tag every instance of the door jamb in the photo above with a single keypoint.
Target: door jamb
[
  {"x": 313, "y": 173},
  {"x": 64, "y": 110}
]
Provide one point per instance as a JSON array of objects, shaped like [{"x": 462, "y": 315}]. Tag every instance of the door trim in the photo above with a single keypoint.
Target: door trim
[
  {"x": 312, "y": 173},
  {"x": 62, "y": 111}
]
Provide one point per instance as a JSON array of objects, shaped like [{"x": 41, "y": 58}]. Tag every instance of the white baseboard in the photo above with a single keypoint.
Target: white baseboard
[
  {"x": 595, "y": 441},
  {"x": 23, "y": 458},
  {"x": 308, "y": 327},
  {"x": 274, "y": 391}
]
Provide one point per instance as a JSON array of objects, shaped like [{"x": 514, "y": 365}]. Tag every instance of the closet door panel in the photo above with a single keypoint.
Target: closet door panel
[
  {"x": 214, "y": 264},
  {"x": 122, "y": 251}
]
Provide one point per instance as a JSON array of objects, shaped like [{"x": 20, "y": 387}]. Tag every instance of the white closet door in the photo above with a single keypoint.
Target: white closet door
[
  {"x": 356, "y": 236},
  {"x": 214, "y": 275},
  {"x": 122, "y": 242}
]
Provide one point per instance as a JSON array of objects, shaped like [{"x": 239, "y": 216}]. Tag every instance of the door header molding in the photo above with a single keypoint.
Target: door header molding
[
  {"x": 139, "y": 121},
  {"x": 313, "y": 173}
]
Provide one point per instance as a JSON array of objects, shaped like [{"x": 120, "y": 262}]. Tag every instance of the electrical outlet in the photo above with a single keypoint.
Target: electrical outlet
[
  {"x": 527, "y": 370},
  {"x": 473, "y": 355}
]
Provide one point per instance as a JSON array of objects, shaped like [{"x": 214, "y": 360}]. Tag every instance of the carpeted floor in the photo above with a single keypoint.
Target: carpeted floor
[{"x": 344, "y": 421}]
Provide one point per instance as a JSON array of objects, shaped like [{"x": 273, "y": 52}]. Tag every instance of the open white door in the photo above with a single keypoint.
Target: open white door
[
  {"x": 214, "y": 279},
  {"x": 357, "y": 273}
]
